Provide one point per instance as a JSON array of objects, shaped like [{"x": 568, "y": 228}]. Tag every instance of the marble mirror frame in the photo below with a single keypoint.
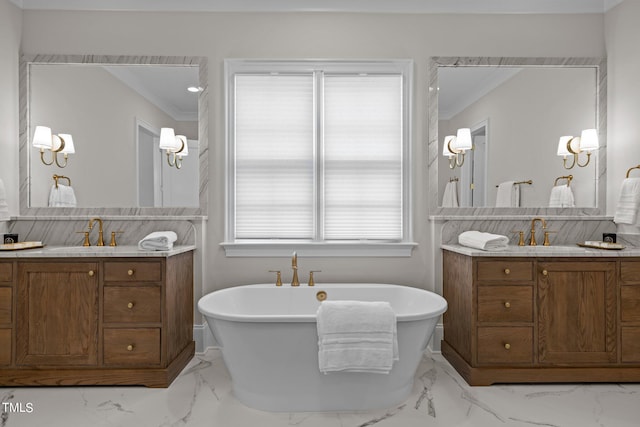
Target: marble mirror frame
[
  {"x": 27, "y": 60},
  {"x": 600, "y": 65}
]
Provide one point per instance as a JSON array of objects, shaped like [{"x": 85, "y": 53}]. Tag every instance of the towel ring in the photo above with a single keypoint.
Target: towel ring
[
  {"x": 567, "y": 177},
  {"x": 57, "y": 177},
  {"x": 630, "y": 169}
]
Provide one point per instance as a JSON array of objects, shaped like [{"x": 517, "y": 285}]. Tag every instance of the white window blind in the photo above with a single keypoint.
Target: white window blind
[
  {"x": 363, "y": 157},
  {"x": 274, "y": 157},
  {"x": 318, "y": 156}
]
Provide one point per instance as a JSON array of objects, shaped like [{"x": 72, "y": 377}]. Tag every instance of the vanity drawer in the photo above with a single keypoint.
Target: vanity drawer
[
  {"x": 505, "y": 271},
  {"x": 5, "y": 346},
  {"x": 132, "y": 304},
  {"x": 630, "y": 272},
  {"x": 6, "y": 301},
  {"x": 505, "y": 345},
  {"x": 132, "y": 271},
  {"x": 505, "y": 304},
  {"x": 630, "y": 303},
  {"x": 6, "y": 272},
  {"x": 132, "y": 346},
  {"x": 630, "y": 344}
]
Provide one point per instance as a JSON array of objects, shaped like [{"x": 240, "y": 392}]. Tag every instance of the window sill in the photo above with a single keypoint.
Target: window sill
[{"x": 305, "y": 249}]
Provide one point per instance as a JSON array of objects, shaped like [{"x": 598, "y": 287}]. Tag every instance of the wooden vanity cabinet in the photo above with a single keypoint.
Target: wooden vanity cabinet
[
  {"x": 630, "y": 311},
  {"x": 577, "y": 310},
  {"x": 132, "y": 313},
  {"x": 516, "y": 319},
  {"x": 6, "y": 312},
  {"x": 96, "y": 321},
  {"x": 57, "y": 314}
]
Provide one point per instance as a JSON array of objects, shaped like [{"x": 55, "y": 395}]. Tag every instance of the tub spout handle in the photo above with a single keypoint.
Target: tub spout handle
[
  {"x": 278, "y": 277},
  {"x": 311, "y": 281}
]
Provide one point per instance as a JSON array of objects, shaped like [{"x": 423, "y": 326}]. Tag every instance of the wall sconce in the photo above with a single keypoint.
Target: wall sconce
[
  {"x": 175, "y": 146},
  {"x": 62, "y": 143},
  {"x": 455, "y": 147},
  {"x": 573, "y": 146}
]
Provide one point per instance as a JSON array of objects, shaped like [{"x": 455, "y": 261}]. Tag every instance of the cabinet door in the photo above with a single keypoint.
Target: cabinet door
[
  {"x": 576, "y": 312},
  {"x": 57, "y": 313}
]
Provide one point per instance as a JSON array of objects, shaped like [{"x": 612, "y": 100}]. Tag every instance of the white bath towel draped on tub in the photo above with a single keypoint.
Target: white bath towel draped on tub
[{"x": 356, "y": 336}]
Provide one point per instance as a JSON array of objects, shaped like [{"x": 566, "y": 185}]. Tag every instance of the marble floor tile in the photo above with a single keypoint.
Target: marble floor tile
[{"x": 201, "y": 396}]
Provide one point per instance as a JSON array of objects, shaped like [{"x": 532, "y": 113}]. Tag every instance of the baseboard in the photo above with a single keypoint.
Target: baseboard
[
  {"x": 203, "y": 337},
  {"x": 438, "y": 334}
]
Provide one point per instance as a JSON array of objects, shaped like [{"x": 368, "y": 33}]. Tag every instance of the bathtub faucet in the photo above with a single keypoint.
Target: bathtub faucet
[{"x": 294, "y": 267}]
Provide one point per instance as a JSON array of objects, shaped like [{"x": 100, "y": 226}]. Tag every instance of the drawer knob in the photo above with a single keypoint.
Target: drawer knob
[
  {"x": 130, "y": 347},
  {"x": 545, "y": 273},
  {"x": 130, "y": 305},
  {"x": 507, "y": 271},
  {"x": 130, "y": 272},
  {"x": 91, "y": 273},
  {"x": 507, "y": 304},
  {"x": 507, "y": 346}
]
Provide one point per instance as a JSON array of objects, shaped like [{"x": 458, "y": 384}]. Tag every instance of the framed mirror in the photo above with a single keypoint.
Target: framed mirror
[
  {"x": 516, "y": 110},
  {"x": 114, "y": 107}
]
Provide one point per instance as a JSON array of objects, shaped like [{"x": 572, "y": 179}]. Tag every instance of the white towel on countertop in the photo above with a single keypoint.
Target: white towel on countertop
[
  {"x": 561, "y": 197},
  {"x": 628, "y": 203},
  {"x": 158, "y": 241},
  {"x": 484, "y": 241},
  {"x": 4, "y": 208},
  {"x": 62, "y": 196},
  {"x": 356, "y": 336},
  {"x": 508, "y": 195},
  {"x": 450, "y": 197}
]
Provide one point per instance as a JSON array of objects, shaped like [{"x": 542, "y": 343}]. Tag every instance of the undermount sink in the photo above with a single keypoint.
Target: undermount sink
[
  {"x": 540, "y": 250},
  {"x": 81, "y": 248},
  {"x": 556, "y": 248}
]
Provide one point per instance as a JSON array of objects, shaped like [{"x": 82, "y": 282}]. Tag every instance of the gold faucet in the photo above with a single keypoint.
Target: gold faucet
[
  {"x": 294, "y": 266},
  {"x": 532, "y": 242},
  {"x": 113, "y": 237},
  {"x": 100, "y": 233},
  {"x": 86, "y": 238},
  {"x": 278, "y": 277},
  {"x": 312, "y": 282}
]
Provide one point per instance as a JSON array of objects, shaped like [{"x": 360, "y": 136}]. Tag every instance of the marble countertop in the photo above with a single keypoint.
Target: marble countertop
[
  {"x": 92, "y": 252},
  {"x": 544, "y": 251}
]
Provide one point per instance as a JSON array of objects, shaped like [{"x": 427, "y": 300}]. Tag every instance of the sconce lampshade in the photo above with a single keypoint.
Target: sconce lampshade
[
  {"x": 185, "y": 149},
  {"x": 42, "y": 138},
  {"x": 448, "y": 140},
  {"x": 68, "y": 144},
  {"x": 168, "y": 140},
  {"x": 463, "y": 140},
  {"x": 589, "y": 140},
  {"x": 562, "y": 146}
]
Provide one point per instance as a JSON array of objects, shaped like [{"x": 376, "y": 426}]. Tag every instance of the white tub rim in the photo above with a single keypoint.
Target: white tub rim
[{"x": 439, "y": 303}]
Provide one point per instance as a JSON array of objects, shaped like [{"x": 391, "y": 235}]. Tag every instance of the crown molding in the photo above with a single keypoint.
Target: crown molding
[{"x": 367, "y": 6}]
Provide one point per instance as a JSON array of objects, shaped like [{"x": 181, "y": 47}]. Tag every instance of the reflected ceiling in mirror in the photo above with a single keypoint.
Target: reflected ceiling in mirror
[
  {"x": 517, "y": 109},
  {"x": 114, "y": 107}
]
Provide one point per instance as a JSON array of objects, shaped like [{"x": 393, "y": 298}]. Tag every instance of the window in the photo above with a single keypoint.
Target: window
[{"x": 317, "y": 152}]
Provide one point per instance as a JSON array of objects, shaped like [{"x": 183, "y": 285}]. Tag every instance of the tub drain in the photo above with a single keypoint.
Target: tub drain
[{"x": 321, "y": 296}]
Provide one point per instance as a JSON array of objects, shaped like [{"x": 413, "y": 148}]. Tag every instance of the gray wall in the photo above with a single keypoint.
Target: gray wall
[{"x": 10, "y": 30}]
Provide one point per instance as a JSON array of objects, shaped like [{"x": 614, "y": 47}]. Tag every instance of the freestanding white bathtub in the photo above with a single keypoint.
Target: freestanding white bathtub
[{"x": 269, "y": 343}]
